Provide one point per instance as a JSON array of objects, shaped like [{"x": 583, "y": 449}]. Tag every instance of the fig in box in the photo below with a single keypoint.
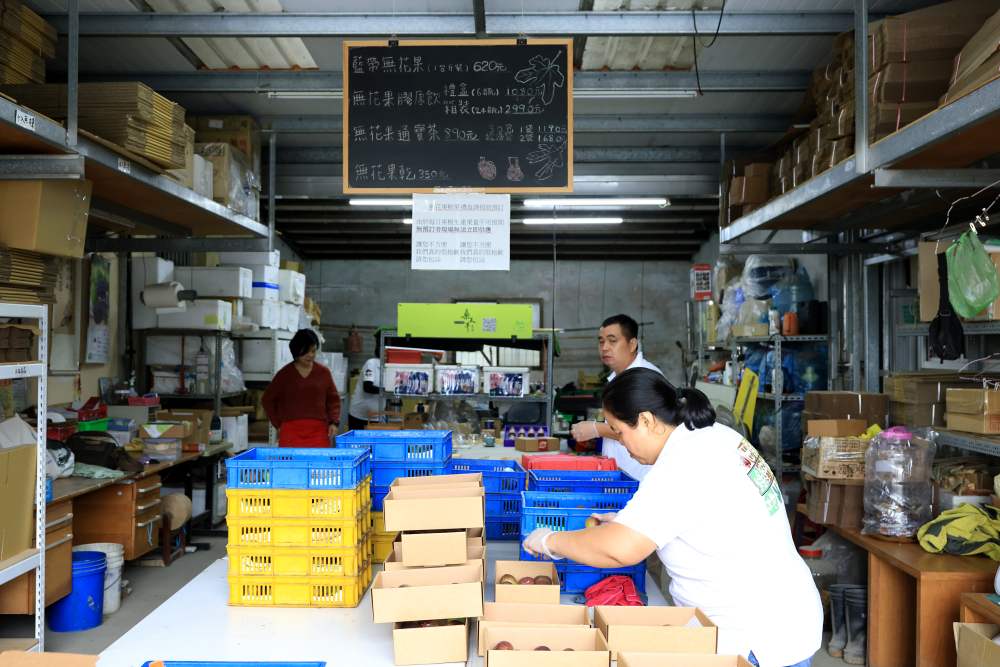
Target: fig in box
[
  {"x": 428, "y": 594},
  {"x": 656, "y": 629},
  {"x": 546, "y": 646},
  {"x": 434, "y": 548},
  {"x": 524, "y": 581},
  {"x": 430, "y": 642},
  {"x": 442, "y": 508},
  {"x": 519, "y": 614}
]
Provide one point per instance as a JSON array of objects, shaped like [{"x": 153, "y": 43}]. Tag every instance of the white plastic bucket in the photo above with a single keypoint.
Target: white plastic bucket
[{"x": 113, "y": 575}]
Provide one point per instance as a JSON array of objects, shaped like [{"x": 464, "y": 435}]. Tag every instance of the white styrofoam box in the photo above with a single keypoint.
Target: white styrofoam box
[
  {"x": 147, "y": 271},
  {"x": 263, "y": 312},
  {"x": 506, "y": 381},
  {"x": 337, "y": 363},
  {"x": 139, "y": 414},
  {"x": 408, "y": 379},
  {"x": 456, "y": 379},
  {"x": 166, "y": 350},
  {"x": 265, "y": 281},
  {"x": 291, "y": 286},
  {"x": 272, "y": 258},
  {"x": 203, "y": 172},
  {"x": 167, "y": 381},
  {"x": 290, "y": 316},
  {"x": 217, "y": 281},
  {"x": 263, "y": 355},
  {"x": 237, "y": 432},
  {"x": 210, "y": 314}
]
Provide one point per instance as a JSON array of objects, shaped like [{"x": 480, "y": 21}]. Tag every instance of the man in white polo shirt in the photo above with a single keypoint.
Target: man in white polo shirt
[{"x": 618, "y": 344}]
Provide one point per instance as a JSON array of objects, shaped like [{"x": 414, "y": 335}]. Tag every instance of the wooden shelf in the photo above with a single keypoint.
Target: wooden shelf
[{"x": 977, "y": 608}]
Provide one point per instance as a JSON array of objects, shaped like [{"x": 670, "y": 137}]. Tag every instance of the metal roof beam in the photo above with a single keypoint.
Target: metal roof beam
[
  {"x": 575, "y": 23},
  {"x": 331, "y": 155},
  {"x": 514, "y": 243}
]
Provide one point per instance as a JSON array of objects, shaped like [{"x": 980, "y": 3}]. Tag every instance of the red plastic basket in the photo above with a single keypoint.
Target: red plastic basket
[
  {"x": 60, "y": 431},
  {"x": 566, "y": 462},
  {"x": 91, "y": 410},
  {"x": 144, "y": 401}
]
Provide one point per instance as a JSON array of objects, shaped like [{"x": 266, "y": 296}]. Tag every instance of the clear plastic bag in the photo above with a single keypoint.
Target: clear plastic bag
[
  {"x": 732, "y": 299},
  {"x": 898, "y": 467},
  {"x": 972, "y": 277},
  {"x": 762, "y": 272}
]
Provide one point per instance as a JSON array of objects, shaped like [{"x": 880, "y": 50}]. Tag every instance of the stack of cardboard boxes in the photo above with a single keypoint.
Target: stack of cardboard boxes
[
  {"x": 197, "y": 173},
  {"x": 17, "y": 343},
  {"x": 232, "y": 145},
  {"x": 749, "y": 190},
  {"x": 977, "y": 63},
  {"x": 918, "y": 399},
  {"x": 973, "y": 410},
  {"x": 27, "y": 41},
  {"x": 432, "y": 586},
  {"x": 164, "y": 440}
]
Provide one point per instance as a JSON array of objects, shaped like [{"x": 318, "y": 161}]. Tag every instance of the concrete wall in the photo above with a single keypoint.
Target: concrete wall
[{"x": 365, "y": 294}]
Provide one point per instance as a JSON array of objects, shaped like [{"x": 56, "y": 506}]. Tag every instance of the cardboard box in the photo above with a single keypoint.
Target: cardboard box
[
  {"x": 984, "y": 44},
  {"x": 216, "y": 282},
  {"x": 185, "y": 176},
  {"x": 447, "y": 642},
  {"x": 432, "y": 481},
  {"x": 626, "y": 659},
  {"x": 910, "y": 82},
  {"x": 17, "y": 493},
  {"x": 836, "y": 503},
  {"x": 475, "y": 554},
  {"x": 834, "y": 458},
  {"x": 973, "y": 401},
  {"x": 528, "y": 593},
  {"x": 888, "y": 117},
  {"x": 170, "y": 430},
  {"x": 916, "y": 415},
  {"x": 982, "y": 424},
  {"x": 200, "y": 421},
  {"x": 921, "y": 388},
  {"x": 946, "y": 500},
  {"x": 736, "y": 191},
  {"x": 756, "y": 189},
  {"x": 241, "y": 132},
  {"x": 22, "y": 659},
  {"x": 757, "y": 169},
  {"x": 873, "y": 408},
  {"x": 476, "y": 535},
  {"x": 934, "y": 33},
  {"x": 975, "y": 80},
  {"x": 428, "y": 594},
  {"x": 516, "y": 615},
  {"x": 291, "y": 286},
  {"x": 656, "y": 630},
  {"x": 433, "y": 509},
  {"x": 202, "y": 314},
  {"x": 835, "y": 428},
  {"x": 163, "y": 449},
  {"x": 536, "y": 444},
  {"x": 49, "y": 217},
  {"x": 588, "y": 644},
  {"x": 434, "y": 549},
  {"x": 974, "y": 645},
  {"x": 234, "y": 181}
]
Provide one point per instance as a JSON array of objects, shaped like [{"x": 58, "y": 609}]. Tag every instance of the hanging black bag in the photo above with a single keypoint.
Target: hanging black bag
[{"x": 946, "y": 338}]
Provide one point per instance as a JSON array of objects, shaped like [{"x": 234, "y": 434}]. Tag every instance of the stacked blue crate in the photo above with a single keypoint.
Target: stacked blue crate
[
  {"x": 503, "y": 482},
  {"x": 400, "y": 454},
  {"x": 563, "y": 500}
]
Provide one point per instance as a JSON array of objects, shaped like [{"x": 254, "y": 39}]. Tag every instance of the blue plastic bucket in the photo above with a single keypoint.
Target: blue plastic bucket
[{"x": 82, "y": 608}]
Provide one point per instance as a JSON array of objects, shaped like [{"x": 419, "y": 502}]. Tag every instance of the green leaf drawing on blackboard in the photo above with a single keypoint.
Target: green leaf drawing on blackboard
[
  {"x": 550, "y": 156},
  {"x": 543, "y": 73}
]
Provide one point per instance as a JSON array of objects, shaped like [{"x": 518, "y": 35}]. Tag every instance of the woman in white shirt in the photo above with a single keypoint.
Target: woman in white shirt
[{"x": 711, "y": 510}]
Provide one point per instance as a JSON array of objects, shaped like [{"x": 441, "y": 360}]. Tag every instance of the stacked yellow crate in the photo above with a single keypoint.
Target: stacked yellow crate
[
  {"x": 299, "y": 547},
  {"x": 381, "y": 539}
]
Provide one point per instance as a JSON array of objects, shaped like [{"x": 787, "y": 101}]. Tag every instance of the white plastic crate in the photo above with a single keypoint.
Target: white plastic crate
[
  {"x": 506, "y": 381},
  {"x": 408, "y": 379},
  {"x": 456, "y": 380}
]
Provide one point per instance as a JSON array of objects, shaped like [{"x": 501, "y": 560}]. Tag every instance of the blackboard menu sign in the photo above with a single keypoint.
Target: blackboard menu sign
[{"x": 483, "y": 115}]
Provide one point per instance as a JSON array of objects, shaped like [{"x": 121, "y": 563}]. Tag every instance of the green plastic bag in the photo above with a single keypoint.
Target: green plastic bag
[{"x": 972, "y": 277}]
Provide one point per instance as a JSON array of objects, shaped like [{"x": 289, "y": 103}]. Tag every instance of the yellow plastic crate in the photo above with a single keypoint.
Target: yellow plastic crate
[
  {"x": 299, "y": 591},
  {"x": 298, "y": 503},
  {"x": 298, "y": 532},
  {"x": 378, "y": 522},
  {"x": 299, "y": 561},
  {"x": 382, "y": 547}
]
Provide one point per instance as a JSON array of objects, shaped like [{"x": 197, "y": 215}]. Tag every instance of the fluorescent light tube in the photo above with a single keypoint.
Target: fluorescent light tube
[
  {"x": 596, "y": 201},
  {"x": 572, "y": 221},
  {"x": 380, "y": 202}
]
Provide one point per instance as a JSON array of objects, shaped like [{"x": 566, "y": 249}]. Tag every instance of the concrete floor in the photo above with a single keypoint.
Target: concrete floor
[{"x": 151, "y": 586}]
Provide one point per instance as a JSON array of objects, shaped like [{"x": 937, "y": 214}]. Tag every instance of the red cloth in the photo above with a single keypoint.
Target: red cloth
[
  {"x": 616, "y": 590},
  {"x": 304, "y": 433},
  {"x": 291, "y": 396}
]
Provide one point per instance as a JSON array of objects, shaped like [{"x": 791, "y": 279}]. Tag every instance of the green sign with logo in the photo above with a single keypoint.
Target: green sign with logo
[{"x": 464, "y": 320}]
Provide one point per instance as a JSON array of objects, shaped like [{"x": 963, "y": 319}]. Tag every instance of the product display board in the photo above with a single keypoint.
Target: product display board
[{"x": 489, "y": 115}]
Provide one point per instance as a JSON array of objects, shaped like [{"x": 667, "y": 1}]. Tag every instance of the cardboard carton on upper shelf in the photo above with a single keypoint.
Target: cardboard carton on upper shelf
[
  {"x": 519, "y": 614},
  {"x": 979, "y": 48},
  {"x": 440, "y": 642},
  {"x": 49, "y": 217},
  {"x": 934, "y": 33},
  {"x": 916, "y": 415},
  {"x": 836, "y": 502},
  {"x": 428, "y": 594},
  {"x": 984, "y": 424},
  {"x": 17, "y": 492},
  {"x": 974, "y": 645},
  {"x": 974, "y": 80},
  {"x": 528, "y": 593},
  {"x": 832, "y": 449},
  {"x": 656, "y": 630},
  {"x": 234, "y": 183},
  {"x": 590, "y": 649},
  {"x": 972, "y": 401},
  {"x": 885, "y": 118},
  {"x": 241, "y": 132},
  {"x": 433, "y": 509},
  {"x": 185, "y": 175},
  {"x": 872, "y": 408},
  {"x": 736, "y": 191},
  {"x": 626, "y": 659},
  {"x": 923, "y": 81},
  {"x": 921, "y": 387}
]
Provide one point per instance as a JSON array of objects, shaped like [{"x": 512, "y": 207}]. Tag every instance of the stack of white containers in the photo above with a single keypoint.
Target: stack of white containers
[{"x": 262, "y": 307}]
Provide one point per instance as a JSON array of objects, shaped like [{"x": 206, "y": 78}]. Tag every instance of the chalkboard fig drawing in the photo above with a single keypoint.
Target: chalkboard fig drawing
[
  {"x": 549, "y": 157},
  {"x": 487, "y": 169},
  {"x": 514, "y": 172},
  {"x": 544, "y": 74}
]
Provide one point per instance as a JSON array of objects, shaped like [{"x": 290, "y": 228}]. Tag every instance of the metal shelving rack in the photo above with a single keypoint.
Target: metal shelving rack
[
  {"x": 547, "y": 343},
  {"x": 274, "y": 336},
  {"x": 33, "y": 559},
  {"x": 217, "y": 395}
]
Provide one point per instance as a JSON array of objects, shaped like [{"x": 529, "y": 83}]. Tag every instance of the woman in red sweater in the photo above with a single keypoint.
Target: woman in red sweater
[{"x": 302, "y": 400}]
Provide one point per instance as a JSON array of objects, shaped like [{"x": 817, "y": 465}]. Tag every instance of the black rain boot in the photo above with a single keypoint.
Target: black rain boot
[
  {"x": 839, "y": 637},
  {"x": 856, "y": 607}
]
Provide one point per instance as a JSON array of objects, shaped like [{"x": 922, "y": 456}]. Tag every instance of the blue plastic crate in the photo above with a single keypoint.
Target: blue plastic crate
[
  {"x": 298, "y": 468},
  {"x": 502, "y": 529},
  {"x": 506, "y": 505},
  {"x": 402, "y": 446},
  {"x": 565, "y": 511},
  {"x": 582, "y": 481},
  {"x": 48, "y": 489},
  {"x": 576, "y": 578},
  {"x": 182, "y": 663},
  {"x": 498, "y": 476},
  {"x": 384, "y": 474},
  {"x": 378, "y": 497}
]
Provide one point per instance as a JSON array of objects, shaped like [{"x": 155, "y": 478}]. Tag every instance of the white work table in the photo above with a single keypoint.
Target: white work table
[{"x": 196, "y": 623}]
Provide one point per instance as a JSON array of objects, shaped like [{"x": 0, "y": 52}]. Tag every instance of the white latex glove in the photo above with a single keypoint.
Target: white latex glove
[
  {"x": 605, "y": 518},
  {"x": 536, "y": 543},
  {"x": 584, "y": 431}
]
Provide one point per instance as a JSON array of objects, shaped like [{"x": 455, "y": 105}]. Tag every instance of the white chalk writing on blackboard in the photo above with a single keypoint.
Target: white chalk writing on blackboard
[{"x": 545, "y": 73}]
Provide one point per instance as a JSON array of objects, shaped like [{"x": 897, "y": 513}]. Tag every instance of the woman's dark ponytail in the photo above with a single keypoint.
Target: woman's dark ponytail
[{"x": 644, "y": 390}]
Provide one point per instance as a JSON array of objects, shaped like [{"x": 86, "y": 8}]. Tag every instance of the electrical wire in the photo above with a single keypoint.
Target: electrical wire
[
  {"x": 695, "y": 41},
  {"x": 982, "y": 219}
]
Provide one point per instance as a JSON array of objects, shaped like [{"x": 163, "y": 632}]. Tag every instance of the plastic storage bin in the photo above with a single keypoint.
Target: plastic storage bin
[
  {"x": 566, "y": 462},
  {"x": 299, "y": 561},
  {"x": 298, "y": 532},
  {"x": 294, "y": 503},
  {"x": 582, "y": 481},
  {"x": 324, "y": 591},
  {"x": 498, "y": 476},
  {"x": 378, "y": 497},
  {"x": 502, "y": 529},
  {"x": 408, "y": 379},
  {"x": 565, "y": 511},
  {"x": 405, "y": 446},
  {"x": 576, "y": 578},
  {"x": 506, "y": 381},
  {"x": 503, "y": 505},
  {"x": 456, "y": 380},
  {"x": 384, "y": 474},
  {"x": 298, "y": 468},
  {"x": 93, "y": 425}
]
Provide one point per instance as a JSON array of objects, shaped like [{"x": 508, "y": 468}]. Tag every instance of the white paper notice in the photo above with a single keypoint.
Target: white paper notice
[{"x": 461, "y": 232}]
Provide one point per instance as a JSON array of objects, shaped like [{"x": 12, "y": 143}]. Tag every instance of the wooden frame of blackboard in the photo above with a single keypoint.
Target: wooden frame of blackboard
[{"x": 347, "y": 45}]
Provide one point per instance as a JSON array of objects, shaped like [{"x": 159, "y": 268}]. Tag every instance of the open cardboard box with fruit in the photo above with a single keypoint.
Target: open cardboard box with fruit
[
  {"x": 475, "y": 555},
  {"x": 656, "y": 629},
  {"x": 626, "y": 659},
  {"x": 474, "y": 478},
  {"x": 526, "y": 581},
  {"x": 550, "y": 646},
  {"x": 520, "y": 615},
  {"x": 431, "y": 642},
  {"x": 431, "y": 593},
  {"x": 434, "y": 508},
  {"x": 433, "y": 548}
]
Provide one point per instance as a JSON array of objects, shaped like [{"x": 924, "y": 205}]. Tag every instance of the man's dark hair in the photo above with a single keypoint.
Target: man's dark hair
[
  {"x": 302, "y": 341},
  {"x": 629, "y": 326}
]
